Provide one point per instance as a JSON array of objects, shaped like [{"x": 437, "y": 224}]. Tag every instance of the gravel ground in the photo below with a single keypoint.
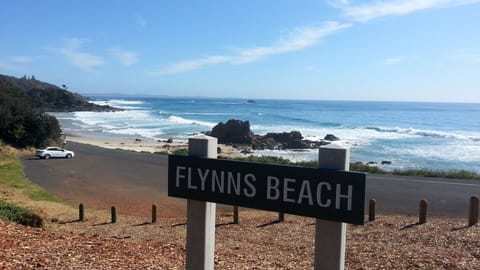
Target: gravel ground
[{"x": 258, "y": 242}]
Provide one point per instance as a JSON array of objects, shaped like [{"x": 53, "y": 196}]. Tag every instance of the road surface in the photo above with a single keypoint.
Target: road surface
[{"x": 133, "y": 181}]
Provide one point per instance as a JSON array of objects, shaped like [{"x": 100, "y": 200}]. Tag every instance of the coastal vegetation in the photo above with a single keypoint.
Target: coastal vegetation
[
  {"x": 20, "y": 215},
  {"x": 23, "y": 103},
  {"x": 21, "y": 124},
  {"x": 50, "y": 98},
  {"x": 13, "y": 177}
]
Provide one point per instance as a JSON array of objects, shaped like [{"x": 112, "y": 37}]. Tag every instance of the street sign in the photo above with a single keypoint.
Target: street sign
[{"x": 320, "y": 193}]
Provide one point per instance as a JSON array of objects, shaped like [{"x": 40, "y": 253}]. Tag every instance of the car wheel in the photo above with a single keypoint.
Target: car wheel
[
  {"x": 69, "y": 156},
  {"x": 46, "y": 157}
]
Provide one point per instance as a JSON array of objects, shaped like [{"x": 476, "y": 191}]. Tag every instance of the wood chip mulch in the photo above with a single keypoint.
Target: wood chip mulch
[{"x": 258, "y": 242}]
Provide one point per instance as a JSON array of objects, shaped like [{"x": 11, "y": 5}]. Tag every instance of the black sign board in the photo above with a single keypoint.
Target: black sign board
[{"x": 319, "y": 193}]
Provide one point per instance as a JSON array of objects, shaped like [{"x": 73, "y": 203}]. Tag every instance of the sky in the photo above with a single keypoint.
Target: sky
[{"x": 393, "y": 50}]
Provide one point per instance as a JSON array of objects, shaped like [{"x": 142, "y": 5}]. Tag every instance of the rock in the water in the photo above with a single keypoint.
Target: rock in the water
[
  {"x": 284, "y": 140},
  {"x": 234, "y": 131},
  {"x": 331, "y": 138}
]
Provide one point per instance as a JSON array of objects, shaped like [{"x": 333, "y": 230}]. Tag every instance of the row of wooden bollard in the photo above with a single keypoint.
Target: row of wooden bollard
[
  {"x": 372, "y": 205},
  {"x": 422, "y": 217},
  {"x": 113, "y": 213}
]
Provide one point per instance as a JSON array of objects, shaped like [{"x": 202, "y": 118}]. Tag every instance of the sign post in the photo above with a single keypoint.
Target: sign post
[
  {"x": 330, "y": 236},
  {"x": 331, "y": 194},
  {"x": 201, "y": 214}
]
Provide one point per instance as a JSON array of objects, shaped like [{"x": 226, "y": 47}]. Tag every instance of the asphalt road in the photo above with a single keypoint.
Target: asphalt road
[{"x": 103, "y": 177}]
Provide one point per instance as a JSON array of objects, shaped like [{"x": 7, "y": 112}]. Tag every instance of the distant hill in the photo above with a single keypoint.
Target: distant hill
[{"x": 51, "y": 98}]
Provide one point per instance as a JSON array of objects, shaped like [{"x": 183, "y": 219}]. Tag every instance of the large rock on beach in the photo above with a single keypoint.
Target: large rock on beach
[
  {"x": 234, "y": 131},
  {"x": 238, "y": 132},
  {"x": 283, "y": 140}
]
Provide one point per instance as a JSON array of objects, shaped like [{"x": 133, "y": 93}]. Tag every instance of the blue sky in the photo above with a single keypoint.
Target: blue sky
[{"x": 423, "y": 50}]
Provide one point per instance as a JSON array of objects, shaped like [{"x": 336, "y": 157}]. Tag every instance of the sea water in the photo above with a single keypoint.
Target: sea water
[{"x": 409, "y": 135}]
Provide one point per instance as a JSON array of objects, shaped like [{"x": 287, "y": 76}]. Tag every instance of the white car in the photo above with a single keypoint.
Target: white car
[{"x": 54, "y": 152}]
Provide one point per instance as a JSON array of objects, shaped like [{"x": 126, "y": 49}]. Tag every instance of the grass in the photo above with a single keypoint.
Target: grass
[
  {"x": 12, "y": 176},
  {"x": 20, "y": 215}
]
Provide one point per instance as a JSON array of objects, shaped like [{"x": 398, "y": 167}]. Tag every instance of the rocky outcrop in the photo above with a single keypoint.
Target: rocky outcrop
[
  {"x": 232, "y": 132},
  {"x": 331, "y": 138},
  {"x": 238, "y": 132},
  {"x": 284, "y": 140}
]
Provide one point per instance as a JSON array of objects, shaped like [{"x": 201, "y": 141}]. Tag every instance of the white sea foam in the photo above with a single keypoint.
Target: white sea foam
[
  {"x": 139, "y": 123},
  {"x": 120, "y": 103},
  {"x": 181, "y": 120},
  {"x": 455, "y": 135}
]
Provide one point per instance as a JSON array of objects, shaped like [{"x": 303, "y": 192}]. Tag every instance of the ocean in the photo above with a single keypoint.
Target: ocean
[{"x": 410, "y": 135}]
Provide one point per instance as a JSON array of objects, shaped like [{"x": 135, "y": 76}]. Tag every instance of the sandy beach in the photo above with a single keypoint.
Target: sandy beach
[{"x": 142, "y": 145}]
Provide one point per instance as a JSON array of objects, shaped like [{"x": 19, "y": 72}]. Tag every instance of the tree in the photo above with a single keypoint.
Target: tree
[{"x": 20, "y": 124}]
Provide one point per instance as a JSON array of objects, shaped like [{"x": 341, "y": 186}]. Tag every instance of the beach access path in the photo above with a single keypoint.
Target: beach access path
[{"x": 133, "y": 181}]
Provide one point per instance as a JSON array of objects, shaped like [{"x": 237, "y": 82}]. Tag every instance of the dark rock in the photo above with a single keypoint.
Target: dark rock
[
  {"x": 138, "y": 140},
  {"x": 331, "y": 138},
  {"x": 170, "y": 140},
  {"x": 280, "y": 141},
  {"x": 246, "y": 151},
  {"x": 234, "y": 131},
  {"x": 386, "y": 162}
]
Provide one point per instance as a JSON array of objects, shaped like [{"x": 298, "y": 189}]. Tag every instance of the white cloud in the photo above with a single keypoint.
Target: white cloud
[
  {"x": 126, "y": 58},
  {"x": 86, "y": 61},
  {"x": 190, "y": 65},
  {"x": 367, "y": 12},
  {"x": 298, "y": 39},
  {"x": 390, "y": 61}
]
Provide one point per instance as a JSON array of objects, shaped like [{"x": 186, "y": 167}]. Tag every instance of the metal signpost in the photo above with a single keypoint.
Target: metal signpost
[{"x": 331, "y": 194}]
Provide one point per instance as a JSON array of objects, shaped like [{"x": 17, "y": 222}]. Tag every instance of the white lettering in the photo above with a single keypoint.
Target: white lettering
[
  {"x": 249, "y": 178},
  {"x": 218, "y": 181},
  {"x": 179, "y": 176},
  {"x": 190, "y": 185},
  {"x": 233, "y": 182},
  {"x": 348, "y": 196},
  {"x": 328, "y": 202},
  {"x": 286, "y": 189},
  {"x": 203, "y": 177},
  {"x": 305, "y": 193},
  {"x": 273, "y": 187}
]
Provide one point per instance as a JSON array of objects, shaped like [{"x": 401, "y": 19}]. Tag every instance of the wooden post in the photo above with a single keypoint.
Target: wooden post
[
  {"x": 154, "y": 213},
  {"x": 114, "y": 214},
  {"x": 473, "y": 213},
  {"x": 330, "y": 236},
  {"x": 372, "y": 205},
  {"x": 235, "y": 214},
  {"x": 281, "y": 217},
  {"x": 81, "y": 212},
  {"x": 422, "y": 219},
  {"x": 201, "y": 215}
]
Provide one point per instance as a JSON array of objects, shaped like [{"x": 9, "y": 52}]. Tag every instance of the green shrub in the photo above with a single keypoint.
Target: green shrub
[
  {"x": 182, "y": 152},
  {"x": 13, "y": 213}
]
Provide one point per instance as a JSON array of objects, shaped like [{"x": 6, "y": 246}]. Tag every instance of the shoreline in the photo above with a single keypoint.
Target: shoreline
[{"x": 145, "y": 145}]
